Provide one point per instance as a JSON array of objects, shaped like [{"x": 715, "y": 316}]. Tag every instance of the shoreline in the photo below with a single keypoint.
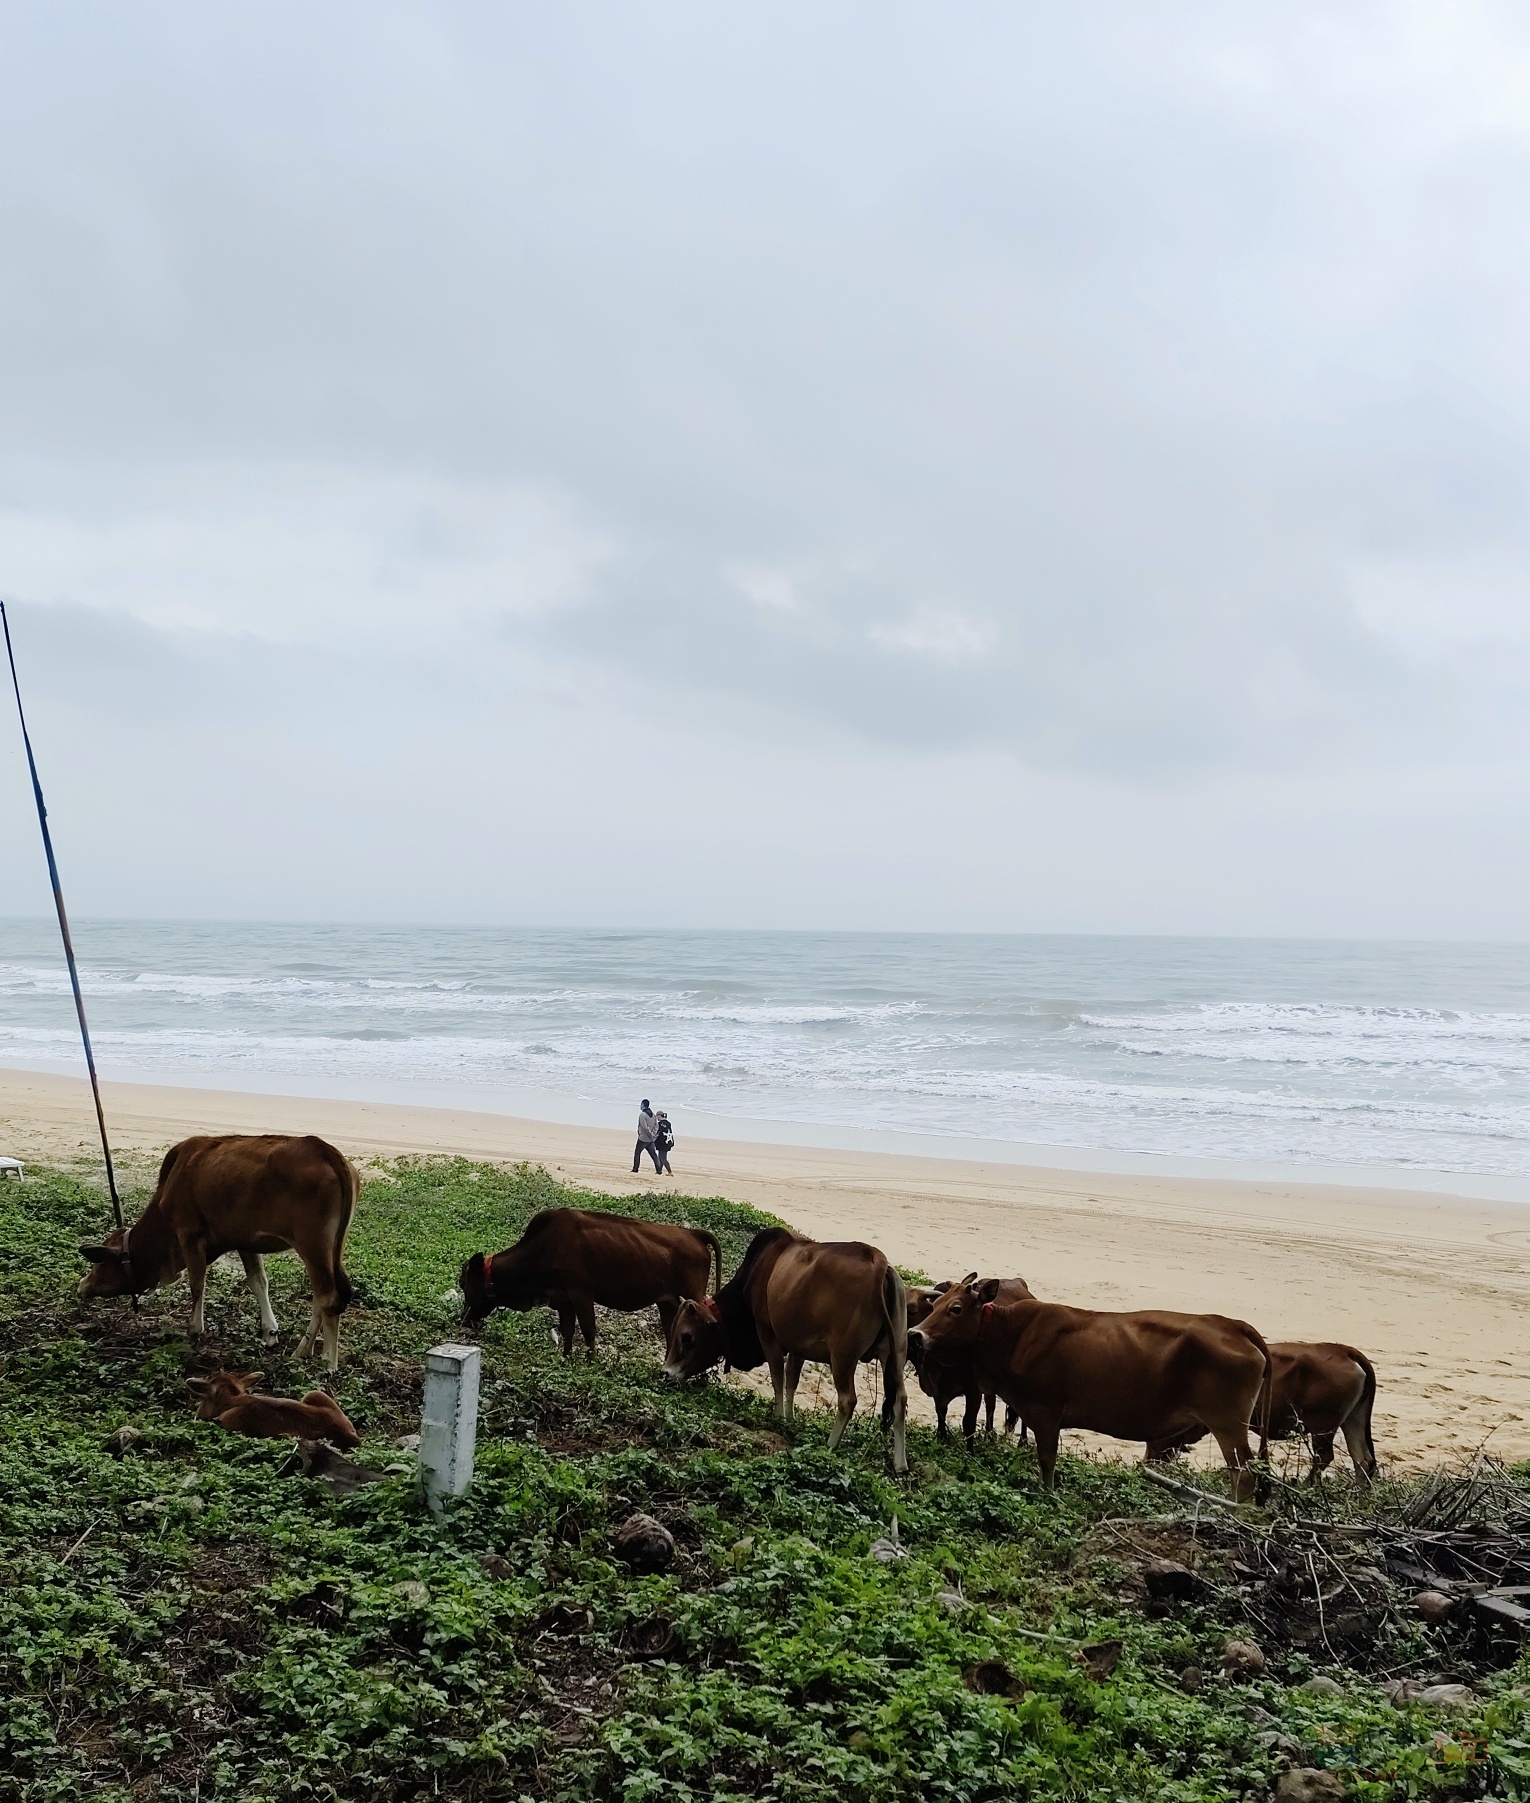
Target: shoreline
[{"x": 1434, "y": 1286}]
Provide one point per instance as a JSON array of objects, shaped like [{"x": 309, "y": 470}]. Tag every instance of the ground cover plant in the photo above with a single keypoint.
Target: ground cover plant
[{"x": 193, "y": 1618}]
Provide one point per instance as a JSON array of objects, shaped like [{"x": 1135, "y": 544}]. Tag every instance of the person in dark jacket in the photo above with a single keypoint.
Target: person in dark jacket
[
  {"x": 663, "y": 1140},
  {"x": 647, "y": 1139}
]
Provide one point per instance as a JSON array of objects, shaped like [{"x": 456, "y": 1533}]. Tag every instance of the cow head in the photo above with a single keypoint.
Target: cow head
[
  {"x": 220, "y": 1391},
  {"x": 476, "y": 1300},
  {"x": 920, "y": 1300},
  {"x": 112, "y": 1272},
  {"x": 952, "y": 1323},
  {"x": 695, "y": 1340}
]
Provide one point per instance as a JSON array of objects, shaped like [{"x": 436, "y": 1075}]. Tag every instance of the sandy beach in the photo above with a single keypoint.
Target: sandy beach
[{"x": 1436, "y": 1288}]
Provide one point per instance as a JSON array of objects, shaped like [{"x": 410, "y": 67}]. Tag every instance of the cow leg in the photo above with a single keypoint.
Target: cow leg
[
  {"x": 667, "y": 1309},
  {"x": 1048, "y": 1433},
  {"x": 1012, "y": 1419},
  {"x": 563, "y": 1333},
  {"x": 1322, "y": 1457},
  {"x": 196, "y": 1278},
  {"x": 1362, "y": 1455},
  {"x": 584, "y": 1308},
  {"x": 255, "y": 1283},
  {"x": 791, "y": 1377},
  {"x": 775, "y": 1359},
  {"x": 989, "y": 1400},
  {"x": 971, "y": 1403},
  {"x": 844, "y": 1371},
  {"x": 1238, "y": 1454},
  {"x": 942, "y": 1403}
]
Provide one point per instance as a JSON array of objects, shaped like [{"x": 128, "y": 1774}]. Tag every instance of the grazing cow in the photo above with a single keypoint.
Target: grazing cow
[
  {"x": 569, "y": 1259},
  {"x": 245, "y": 1193},
  {"x": 1145, "y": 1376},
  {"x": 794, "y": 1299},
  {"x": 945, "y": 1380},
  {"x": 228, "y": 1398},
  {"x": 1319, "y": 1390}
]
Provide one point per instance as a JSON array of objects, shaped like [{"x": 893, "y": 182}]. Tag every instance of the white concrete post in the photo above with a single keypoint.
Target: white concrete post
[{"x": 448, "y": 1422}]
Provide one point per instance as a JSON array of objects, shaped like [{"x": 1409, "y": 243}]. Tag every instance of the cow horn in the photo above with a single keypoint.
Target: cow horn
[
  {"x": 970, "y": 1279},
  {"x": 101, "y": 1255},
  {"x": 198, "y": 1386}
]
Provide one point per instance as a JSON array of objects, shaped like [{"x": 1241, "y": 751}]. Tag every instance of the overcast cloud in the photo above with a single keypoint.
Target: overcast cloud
[{"x": 869, "y": 465}]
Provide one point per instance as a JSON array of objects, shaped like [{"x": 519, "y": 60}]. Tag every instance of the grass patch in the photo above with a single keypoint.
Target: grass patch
[{"x": 186, "y": 1623}]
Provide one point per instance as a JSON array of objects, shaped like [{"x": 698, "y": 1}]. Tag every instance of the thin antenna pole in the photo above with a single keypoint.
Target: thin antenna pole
[{"x": 63, "y": 927}]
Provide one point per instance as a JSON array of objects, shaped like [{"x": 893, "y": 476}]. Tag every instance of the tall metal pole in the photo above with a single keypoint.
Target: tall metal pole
[{"x": 63, "y": 925}]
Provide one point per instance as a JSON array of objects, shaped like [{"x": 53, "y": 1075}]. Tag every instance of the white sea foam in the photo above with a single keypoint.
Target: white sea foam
[{"x": 1392, "y": 1055}]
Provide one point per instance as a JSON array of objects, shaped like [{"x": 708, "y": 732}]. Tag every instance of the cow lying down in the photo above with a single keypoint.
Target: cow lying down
[
  {"x": 227, "y": 1398},
  {"x": 794, "y": 1299},
  {"x": 1150, "y": 1375}
]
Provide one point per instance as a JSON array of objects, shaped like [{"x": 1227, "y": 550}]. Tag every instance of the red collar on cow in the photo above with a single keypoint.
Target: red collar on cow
[
  {"x": 488, "y": 1272},
  {"x": 986, "y": 1315},
  {"x": 711, "y": 1307}
]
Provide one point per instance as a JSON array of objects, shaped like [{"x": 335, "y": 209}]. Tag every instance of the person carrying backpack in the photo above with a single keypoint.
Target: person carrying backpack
[
  {"x": 664, "y": 1138},
  {"x": 648, "y": 1133}
]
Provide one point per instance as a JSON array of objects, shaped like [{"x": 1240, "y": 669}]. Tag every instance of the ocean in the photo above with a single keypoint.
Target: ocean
[{"x": 1294, "y": 1054}]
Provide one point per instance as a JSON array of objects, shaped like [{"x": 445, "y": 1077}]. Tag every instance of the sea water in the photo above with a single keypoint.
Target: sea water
[{"x": 1287, "y": 1053}]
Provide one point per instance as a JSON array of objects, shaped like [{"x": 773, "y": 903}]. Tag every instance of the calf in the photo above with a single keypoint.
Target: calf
[
  {"x": 1146, "y": 1376},
  {"x": 570, "y": 1259},
  {"x": 944, "y": 1380},
  {"x": 244, "y": 1193},
  {"x": 1320, "y": 1390},
  {"x": 794, "y": 1299},
  {"x": 227, "y": 1398}
]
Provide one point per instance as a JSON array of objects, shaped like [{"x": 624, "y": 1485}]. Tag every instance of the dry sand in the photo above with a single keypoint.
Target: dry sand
[{"x": 1436, "y": 1288}]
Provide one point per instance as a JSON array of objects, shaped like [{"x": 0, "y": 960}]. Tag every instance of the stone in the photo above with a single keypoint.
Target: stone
[
  {"x": 1190, "y": 1680},
  {"x": 496, "y": 1565},
  {"x": 643, "y": 1544},
  {"x": 1242, "y": 1659},
  {"x": 992, "y": 1678},
  {"x": 1319, "y": 1686},
  {"x": 952, "y": 1601},
  {"x": 124, "y": 1440},
  {"x": 1308, "y": 1784},
  {"x": 412, "y": 1591},
  {"x": 1434, "y": 1606},
  {"x": 1168, "y": 1581},
  {"x": 1446, "y": 1696},
  {"x": 741, "y": 1552}
]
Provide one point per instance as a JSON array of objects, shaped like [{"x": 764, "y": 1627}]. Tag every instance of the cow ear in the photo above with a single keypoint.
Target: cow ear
[
  {"x": 101, "y": 1255},
  {"x": 474, "y": 1266},
  {"x": 988, "y": 1289},
  {"x": 249, "y": 1377},
  {"x": 198, "y": 1386},
  {"x": 969, "y": 1280}
]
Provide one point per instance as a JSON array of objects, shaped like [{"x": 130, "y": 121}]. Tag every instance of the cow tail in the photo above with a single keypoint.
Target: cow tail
[
  {"x": 1262, "y": 1402},
  {"x": 711, "y": 1240},
  {"x": 350, "y": 1187},
  {"x": 1367, "y": 1403},
  {"x": 895, "y": 1315}
]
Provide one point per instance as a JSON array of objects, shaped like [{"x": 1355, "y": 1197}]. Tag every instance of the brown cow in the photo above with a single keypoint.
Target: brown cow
[
  {"x": 1319, "y": 1390},
  {"x": 1151, "y": 1375},
  {"x": 228, "y": 1399},
  {"x": 944, "y": 1380},
  {"x": 570, "y": 1259},
  {"x": 794, "y": 1299},
  {"x": 245, "y": 1193}
]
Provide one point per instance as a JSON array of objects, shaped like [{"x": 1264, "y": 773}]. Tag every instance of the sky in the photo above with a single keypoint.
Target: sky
[{"x": 1005, "y": 467}]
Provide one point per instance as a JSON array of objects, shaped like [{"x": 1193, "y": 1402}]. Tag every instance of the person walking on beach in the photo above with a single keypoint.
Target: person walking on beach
[
  {"x": 664, "y": 1139},
  {"x": 647, "y": 1139}
]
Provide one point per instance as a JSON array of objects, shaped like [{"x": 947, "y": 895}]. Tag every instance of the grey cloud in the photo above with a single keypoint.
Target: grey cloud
[{"x": 1116, "y": 389}]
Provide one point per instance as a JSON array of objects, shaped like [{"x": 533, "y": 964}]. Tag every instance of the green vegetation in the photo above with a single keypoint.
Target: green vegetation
[{"x": 187, "y": 1622}]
